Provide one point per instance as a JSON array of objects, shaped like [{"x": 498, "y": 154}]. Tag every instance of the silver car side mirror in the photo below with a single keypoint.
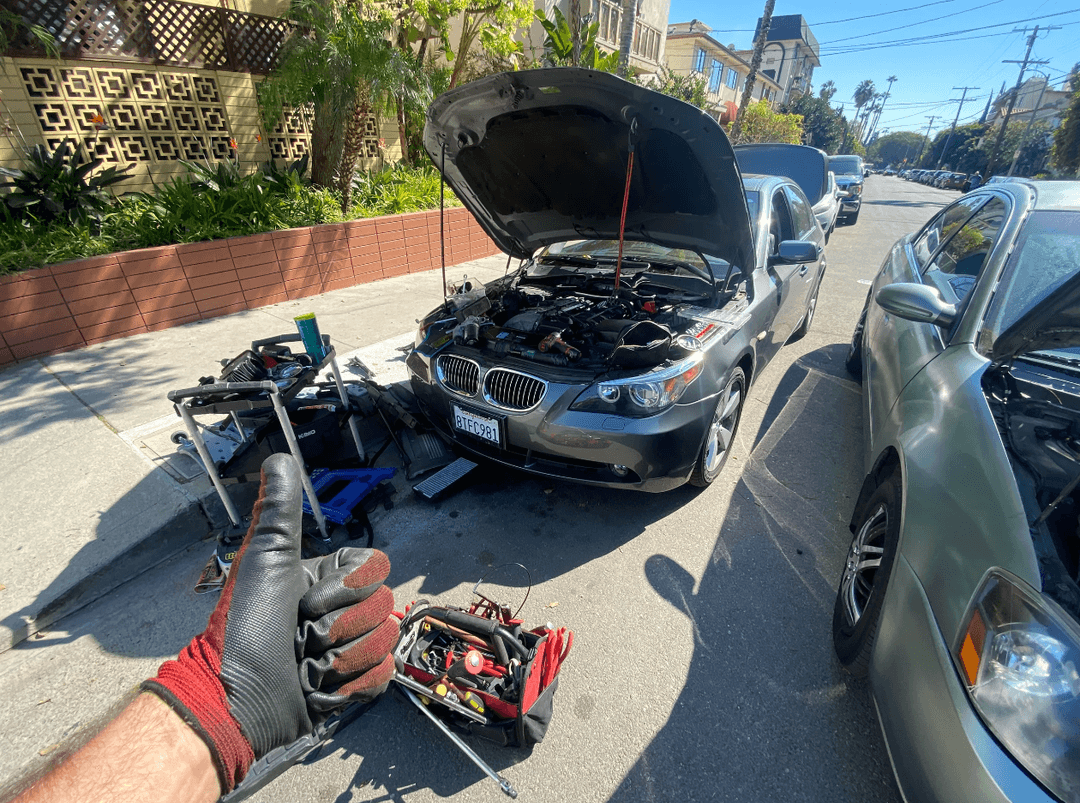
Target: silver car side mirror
[
  {"x": 795, "y": 252},
  {"x": 916, "y": 302}
]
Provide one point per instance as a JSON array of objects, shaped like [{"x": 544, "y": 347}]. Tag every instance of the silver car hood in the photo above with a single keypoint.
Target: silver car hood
[
  {"x": 540, "y": 157},
  {"x": 1055, "y": 323}
]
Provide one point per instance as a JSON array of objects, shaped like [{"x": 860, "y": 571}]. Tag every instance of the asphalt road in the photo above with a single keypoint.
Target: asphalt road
[{"x": 702, "y": 666}]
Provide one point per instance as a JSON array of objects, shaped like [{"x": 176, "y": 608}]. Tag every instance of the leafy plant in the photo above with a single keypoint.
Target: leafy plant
[
  {"x": 761, "y": 124},
  {"x": 559, "y": 44},
  {"x": 59, "y": 186}
]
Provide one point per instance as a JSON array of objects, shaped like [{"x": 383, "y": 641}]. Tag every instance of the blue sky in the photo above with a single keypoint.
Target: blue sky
[{"x": 856, "y": 49}]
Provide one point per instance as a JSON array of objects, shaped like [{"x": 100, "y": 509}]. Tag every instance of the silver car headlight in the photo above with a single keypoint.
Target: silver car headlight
[
  {"x": 855, "y": 189},
  {"x": 644, "y": 395},
  {"x": 1019, "y": 653}
]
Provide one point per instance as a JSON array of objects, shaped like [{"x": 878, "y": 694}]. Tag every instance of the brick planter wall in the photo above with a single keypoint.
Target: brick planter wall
[{"x": 75, "y": 304}]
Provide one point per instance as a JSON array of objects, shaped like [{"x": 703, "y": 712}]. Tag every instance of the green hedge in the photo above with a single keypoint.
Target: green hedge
[{"x": 212, "y": 203}]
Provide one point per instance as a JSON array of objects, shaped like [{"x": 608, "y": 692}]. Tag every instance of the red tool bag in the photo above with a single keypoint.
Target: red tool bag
[{"x": 488, "y": 675}]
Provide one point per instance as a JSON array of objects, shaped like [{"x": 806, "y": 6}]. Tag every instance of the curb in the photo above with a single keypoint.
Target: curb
[{"x": 188, "y": 527}]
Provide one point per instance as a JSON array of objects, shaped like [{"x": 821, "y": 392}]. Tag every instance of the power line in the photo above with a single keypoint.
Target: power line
[
  {"x": 922, "y": 22},
  {"x": 847, "y": 19}
]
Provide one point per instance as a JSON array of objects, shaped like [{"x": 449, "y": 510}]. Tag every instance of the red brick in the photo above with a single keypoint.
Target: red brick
[
  {"x": 267, "y": 257},
  {"x": 329, "y": 247},
  {"x": 390, "y": 271},
  {"x": 162, "y": 289},
  {"x": 158, "y": 303},
  {"x": 173, "y": 316},
  {"x": 111, "y": 330},
  {"x": 34, "y": 316},
  {"x": 208, "y": 252},
  {"x": 22, "y": 304},
  {"x": 275, "y": 297},
  {"x": 253, "y": 271},
  {"x": 360, "y": 228},
  {"x": 391, "y": 239},
  {"x": 157, "y": 326},
  {"x": 217, "y": 312},
  {"x": 166, "y": 259},
  {"x": 250, "y": 243},
  {"x": 290, "y": 237},
  {"x": 387, "y": 223},
  {"x": 337, "y": 262},
  {"x": 337, "y": 284},
  {"x": 231, "y": 290},
  {"x": 26, "y": 283},
  {"x": 121, "y": 312},
  {"x": 212, "y": 279},
  {"x": 209, "y": 268},
  {"x": 262, "y": 281},
  {"x": 301, "y": 289},
  {"x": 101, "y": 273},
  {"x": 81, "y": 291},
  {"x": 142, "y": 254},
  {"x": 38, "y": 331},
  {"x": 305, "y": 251},
  {"x": 91, "y": 263},
  {"x": 85, "y": 305},
  {"x": 149, "y": 280},
  {"x": 302, "y": 273},
  {"x": 5, "y": 355},
  {"x": 51, "y": 344},
  {"x": 364, "y": 241},
  {"x": 327, "y": 231}
]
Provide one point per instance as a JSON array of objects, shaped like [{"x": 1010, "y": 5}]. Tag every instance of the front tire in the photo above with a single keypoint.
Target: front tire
[
  {"x": 861, "y": 594},
  {"x": 808, "y": 318},
  {"x": 853, "y": 360},
  {"x": 721, "y": 435}
]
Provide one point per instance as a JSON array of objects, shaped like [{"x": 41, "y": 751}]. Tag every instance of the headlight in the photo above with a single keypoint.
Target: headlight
[
  {"x": 855, "y": 189},
  {"x": 640, "y": 396},
  {"x": 1019, "y": 654}
]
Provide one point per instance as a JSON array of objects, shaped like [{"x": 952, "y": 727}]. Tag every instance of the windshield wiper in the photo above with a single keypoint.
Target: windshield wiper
[{"x": 1048, "y": 356}]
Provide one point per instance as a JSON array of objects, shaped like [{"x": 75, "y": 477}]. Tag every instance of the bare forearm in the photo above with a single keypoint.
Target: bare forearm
[{"x": 145, "y": 754}]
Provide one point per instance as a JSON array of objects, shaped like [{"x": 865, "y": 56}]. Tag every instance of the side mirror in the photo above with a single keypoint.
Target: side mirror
[
  {"x": 916, "y": 302},
  {"x": 795, "y": 252}
]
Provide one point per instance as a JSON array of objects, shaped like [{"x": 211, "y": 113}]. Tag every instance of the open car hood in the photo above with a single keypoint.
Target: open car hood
[
  {"x": 540, "y": 157},
  {"x": 1054, "y": 323}
]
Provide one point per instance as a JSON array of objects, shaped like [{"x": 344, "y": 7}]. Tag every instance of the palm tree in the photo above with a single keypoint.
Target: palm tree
[
  {"x": 864, "y": 93},
  {"x": 755, "y": 65},
  {"x": 828, "y": 89}
]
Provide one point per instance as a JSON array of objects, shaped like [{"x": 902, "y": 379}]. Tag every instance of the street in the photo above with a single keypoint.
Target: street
[{"x": 702, "y": 666}]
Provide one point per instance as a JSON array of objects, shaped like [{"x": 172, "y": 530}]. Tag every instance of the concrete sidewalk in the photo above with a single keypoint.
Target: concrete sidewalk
[{"x": 94, "y": 492}]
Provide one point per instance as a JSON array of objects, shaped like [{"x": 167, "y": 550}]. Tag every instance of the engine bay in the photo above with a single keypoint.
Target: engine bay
[
  {"x": 582, "y": 320},
  {"x": 1037, "y": 409}
]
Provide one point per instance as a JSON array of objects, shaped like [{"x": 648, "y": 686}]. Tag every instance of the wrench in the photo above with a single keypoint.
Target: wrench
[{"x": 468, "y": 751}]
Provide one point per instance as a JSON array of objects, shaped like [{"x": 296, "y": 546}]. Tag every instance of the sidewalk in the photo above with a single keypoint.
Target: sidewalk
[{"x": 93, "y": 490}]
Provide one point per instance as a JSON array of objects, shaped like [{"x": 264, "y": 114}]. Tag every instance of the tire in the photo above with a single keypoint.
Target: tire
[
  {"x": 853, "y": 217},
  {"x": 808, "y": 318},
  {"x": 865, "y": 579},
  {"x": 853, "y": 361},
  {"x": 722, "y": 429}
]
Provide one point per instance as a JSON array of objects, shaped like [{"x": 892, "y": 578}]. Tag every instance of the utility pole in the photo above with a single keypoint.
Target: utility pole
[
  {"x": 992, "y": 163},
  {"x": 877, "y": 119},
  {"x": 755, "y": 65},
  {"x": 956, "y": 119},
  {"x": 926, "y": 139}
]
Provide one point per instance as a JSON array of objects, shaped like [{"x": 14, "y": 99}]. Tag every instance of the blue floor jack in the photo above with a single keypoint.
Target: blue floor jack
[{"x": 341, "y": 491}]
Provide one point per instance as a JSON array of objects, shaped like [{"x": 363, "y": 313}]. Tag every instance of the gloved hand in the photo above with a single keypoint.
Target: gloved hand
[{"x": 289, "y": 642}]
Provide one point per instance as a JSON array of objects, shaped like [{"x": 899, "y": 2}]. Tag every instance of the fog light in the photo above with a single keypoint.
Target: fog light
[{"x": 620, "y": 471}]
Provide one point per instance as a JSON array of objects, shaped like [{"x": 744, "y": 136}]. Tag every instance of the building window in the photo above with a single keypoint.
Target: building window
[
  {"x": 733, "y": 79},
  {"x": 699, "y": 60},
  {"x": 609, "y": 21},
  {"x": 715, "y": 74}
]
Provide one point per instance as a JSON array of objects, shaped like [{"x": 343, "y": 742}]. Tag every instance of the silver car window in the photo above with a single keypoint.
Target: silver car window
[
  {"x": 940, "y": 227},
  {"x": 956, "y": 266},
  {"x": 801, "y": 213}
]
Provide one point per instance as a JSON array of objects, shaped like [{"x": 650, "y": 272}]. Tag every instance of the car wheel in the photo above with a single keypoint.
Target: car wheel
[
  {"x": 808, "y": 318},
  {"x": 854, "y": 216},
  {"x": 853, "y": 361},
  {"x": 722, "y": 429},
  {"x": 859, "y": 599}
]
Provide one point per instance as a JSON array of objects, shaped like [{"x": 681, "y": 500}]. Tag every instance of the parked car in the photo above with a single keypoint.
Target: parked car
[
  {"x": 808, "y": 167},
  {"x": 960, "y": 593},
  {"x": 850, "y": 180},
  {"x": 954, "y": 181},
  {"x": 628, "y": 374}
]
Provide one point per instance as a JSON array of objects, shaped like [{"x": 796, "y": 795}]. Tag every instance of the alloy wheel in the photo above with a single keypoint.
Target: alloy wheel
[
  {"x": 863, "y": 561},
  {"x": 722, "y": 430}
]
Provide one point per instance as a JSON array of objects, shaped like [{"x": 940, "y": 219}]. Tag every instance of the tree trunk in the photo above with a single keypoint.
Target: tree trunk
[
  {"x": 353, "y": 146},
  {"x": 575, "y": 30},
  {"x": 755, "y": 65},
  {"x": 326, "y": 143},
  {"x": 626, "y": 36}
]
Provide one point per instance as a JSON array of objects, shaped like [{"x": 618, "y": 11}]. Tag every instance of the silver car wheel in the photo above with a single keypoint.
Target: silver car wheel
[
  {"x": 863, "y": 561},
  {"x": 722, "y": 429}
]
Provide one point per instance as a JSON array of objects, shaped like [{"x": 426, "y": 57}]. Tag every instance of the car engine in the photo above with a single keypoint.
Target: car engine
[
  {"x": 583, "y": 321},
  {"x": 1037, "y": 409}
]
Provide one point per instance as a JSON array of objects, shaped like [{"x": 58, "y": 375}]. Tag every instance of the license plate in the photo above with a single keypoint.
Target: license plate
[{"x": 480, "y": 426}]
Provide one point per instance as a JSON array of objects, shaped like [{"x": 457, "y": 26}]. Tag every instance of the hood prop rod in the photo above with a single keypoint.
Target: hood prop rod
[
  {"x": 630, "y": 137},
  {"x": 442, "y": 220}
]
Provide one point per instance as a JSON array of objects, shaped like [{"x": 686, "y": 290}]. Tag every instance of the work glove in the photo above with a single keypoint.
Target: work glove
[{"x": 290, "y": 641}]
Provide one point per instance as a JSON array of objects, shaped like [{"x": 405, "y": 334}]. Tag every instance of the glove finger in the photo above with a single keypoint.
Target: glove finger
[
  {"x": 344, "y": 624},
  {"x": 345, "y": 663},
  {"x": 342, "y": 579},
  {"x": 363, "y": 689}
]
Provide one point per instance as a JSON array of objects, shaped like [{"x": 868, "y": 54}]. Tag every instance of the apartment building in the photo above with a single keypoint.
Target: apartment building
[
  {"x": 791, "y": 53},
  {"x": 692, "y": 50},
  {"x": 1036, "y": 99}
]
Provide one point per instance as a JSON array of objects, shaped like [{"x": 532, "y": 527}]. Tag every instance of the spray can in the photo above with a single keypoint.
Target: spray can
[{"x": 309, "y": 335}]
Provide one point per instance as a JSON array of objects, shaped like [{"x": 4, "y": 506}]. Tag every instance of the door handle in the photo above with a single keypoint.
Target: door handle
[{"x": 803, "y": 270}]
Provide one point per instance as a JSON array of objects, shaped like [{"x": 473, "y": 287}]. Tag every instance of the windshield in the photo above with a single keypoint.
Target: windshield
[
  {"x": 1046, "y": 255},
  {"x": 805, "y": 166},
  {"x": 846, "y": 165},
  {"x": 637, "y": 256}
]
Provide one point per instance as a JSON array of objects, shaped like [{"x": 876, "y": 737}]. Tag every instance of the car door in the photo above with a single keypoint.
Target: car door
[
  {"x": 781, "y": 228},
  {"x": 948, "y": 254},
  {"x": 806, "y": 228}
]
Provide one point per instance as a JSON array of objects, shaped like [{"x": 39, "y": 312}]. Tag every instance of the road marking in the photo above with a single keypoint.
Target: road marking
[{"x": 866, "y": 281}]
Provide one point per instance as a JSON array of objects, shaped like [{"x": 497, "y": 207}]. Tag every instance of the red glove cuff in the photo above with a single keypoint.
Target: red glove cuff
[{"x": 190, "y": 685}]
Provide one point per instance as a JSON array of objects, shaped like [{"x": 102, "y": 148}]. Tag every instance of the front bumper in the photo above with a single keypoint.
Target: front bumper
[
  {"x": 850, "y": 204},
  {"x": 939, "y": 748},
  {"x": 551, "y": 440}
]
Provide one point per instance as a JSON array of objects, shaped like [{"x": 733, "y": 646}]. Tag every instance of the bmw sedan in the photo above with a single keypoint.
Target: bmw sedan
[
  {"x": 960, "y": 594},
  {"x": 654, "y": 282}
]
